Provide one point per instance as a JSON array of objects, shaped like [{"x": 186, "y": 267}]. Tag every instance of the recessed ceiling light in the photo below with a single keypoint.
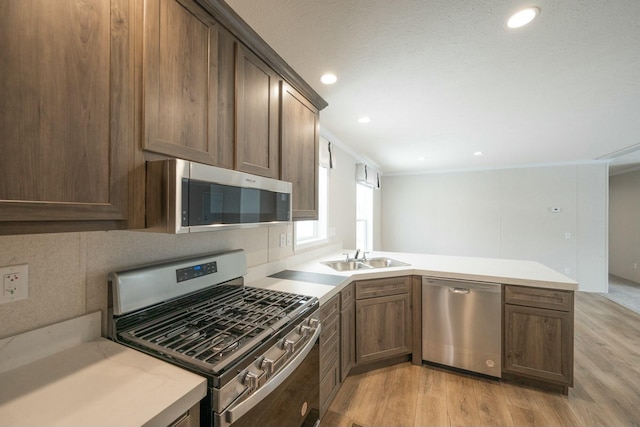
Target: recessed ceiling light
[
  {"x": 421, "y": 158},
  {"x": 364, "y": 119},
  {"x": 328, "y": 79},
  {"x": 478, "y": 153},
  {"x": 523, "y": 17}
]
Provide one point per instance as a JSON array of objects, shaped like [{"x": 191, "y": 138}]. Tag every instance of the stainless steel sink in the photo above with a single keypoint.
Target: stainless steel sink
[
  {"x": 362, "y": 264},
  {"x": 346, "y": 265},
  {"x": 383, "y": 262}
]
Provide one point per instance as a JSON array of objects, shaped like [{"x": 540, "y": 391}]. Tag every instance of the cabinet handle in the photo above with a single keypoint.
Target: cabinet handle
[{"x": 459, "y": 290}]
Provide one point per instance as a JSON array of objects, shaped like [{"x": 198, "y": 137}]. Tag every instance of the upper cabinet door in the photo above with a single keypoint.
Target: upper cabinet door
[
  {"x": 257, "y": 87},
  {"x": 63, "y": 166},
  {"x": 180, "y": 77},
  {"x": 299, "y": 121}
]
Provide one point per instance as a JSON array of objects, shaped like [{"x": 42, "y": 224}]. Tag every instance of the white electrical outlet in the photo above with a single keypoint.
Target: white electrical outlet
[
  {"x": 283, "y": 240},
  {"x": 15, "y": 283},
  {"x": 635, "y": 265}
]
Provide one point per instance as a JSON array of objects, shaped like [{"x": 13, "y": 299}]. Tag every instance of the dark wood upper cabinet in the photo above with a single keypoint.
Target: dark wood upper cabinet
[
  {"x": 65, "y": 160},
  {"x": 229, "y": 19},
  {"x": 299, "y": 139},
  {"x": 91, "y": 88},
  {"x": 257, "y": 98},
  {"x": 182, "y": 69}
]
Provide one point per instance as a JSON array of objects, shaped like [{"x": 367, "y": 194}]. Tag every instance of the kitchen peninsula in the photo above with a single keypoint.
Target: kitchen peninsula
[
  {"x": 378, "y": 313},
  {"x": 505, "y": 271}
]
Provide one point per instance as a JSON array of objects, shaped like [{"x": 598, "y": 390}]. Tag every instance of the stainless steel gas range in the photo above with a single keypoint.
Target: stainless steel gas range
[{"x": 258, "y": 348}]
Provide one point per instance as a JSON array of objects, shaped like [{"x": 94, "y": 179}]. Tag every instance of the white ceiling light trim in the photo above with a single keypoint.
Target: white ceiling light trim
[
  {"x": 523, "y": 17},
  {"x": 328, "y": 78},
  {"x": 364, "y": 119}
]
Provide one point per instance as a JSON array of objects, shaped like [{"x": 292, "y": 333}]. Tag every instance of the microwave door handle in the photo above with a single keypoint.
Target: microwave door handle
[{"x": 235, "y": 411}]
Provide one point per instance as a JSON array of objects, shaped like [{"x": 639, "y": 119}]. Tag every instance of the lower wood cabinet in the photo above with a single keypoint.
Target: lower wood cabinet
[
  {"x": 191, "y": 418},
  {"x": 538, "y": 335},
  {"x": 347, "y": 331},
  {"x": 329, "y": 352},
  {"x": 383, "y": 318}
]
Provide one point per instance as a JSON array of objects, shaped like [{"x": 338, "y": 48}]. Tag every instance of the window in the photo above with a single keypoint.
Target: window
[
  {"x": 308, "y": 232},
  {"x": 364, "y": 217}
]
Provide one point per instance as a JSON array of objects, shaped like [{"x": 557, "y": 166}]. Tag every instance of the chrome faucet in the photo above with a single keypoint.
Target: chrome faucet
[{"x": 355, "y": 257}]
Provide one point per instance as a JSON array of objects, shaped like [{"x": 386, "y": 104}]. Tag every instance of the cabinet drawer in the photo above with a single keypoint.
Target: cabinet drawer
[
  {"x": 330, "y": 328},
  {"x": 382, "y": 287},
  {"x": 329, "y": 356},
  {"x": 329, "y": 308},
  {"x": 552, "y": 299},
  {"x": 328, "y": 387},
  {"x": 346, "y": 296}
]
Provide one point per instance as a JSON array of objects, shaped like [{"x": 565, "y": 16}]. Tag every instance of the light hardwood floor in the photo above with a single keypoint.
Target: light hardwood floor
[{"x": 606, "y": 388}]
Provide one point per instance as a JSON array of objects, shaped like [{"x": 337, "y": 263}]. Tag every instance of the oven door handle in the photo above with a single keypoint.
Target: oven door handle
[{"x": 235, "y": 411}]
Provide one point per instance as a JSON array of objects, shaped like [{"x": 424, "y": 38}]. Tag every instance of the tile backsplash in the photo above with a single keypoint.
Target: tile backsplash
[{"x": 68, "y": 271}]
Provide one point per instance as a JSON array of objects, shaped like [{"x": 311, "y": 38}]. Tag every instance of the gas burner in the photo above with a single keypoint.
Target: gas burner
[
  {"x": 224, "y": 344},
  {"x": 190, "y": 334}
]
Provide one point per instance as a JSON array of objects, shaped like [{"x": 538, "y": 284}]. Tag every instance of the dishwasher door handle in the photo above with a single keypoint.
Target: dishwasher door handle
[{"x": 459, "y": 290}]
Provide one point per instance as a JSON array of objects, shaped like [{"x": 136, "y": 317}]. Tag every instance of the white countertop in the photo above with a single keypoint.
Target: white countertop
[
  {"x": 94, "y": 383},
  {"x": 510, "y": 272}
]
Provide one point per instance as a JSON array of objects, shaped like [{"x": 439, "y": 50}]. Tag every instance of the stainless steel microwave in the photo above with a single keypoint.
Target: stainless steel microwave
[{"x": 185, "y": 197}]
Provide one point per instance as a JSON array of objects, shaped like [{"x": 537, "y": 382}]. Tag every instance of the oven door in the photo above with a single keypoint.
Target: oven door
[{"x": 290, "y": 398}]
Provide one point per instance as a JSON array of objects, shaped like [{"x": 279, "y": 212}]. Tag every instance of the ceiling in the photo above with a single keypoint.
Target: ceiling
[{"x": 443, "y": 79}]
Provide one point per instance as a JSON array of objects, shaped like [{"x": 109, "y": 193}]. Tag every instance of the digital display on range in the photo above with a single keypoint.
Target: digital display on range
[{"x": 196, "y": 271}]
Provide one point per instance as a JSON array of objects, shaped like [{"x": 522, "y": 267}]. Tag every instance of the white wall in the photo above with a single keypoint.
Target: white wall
[
  {"x": 624, "y": 226},
  {"x": 342, "y": 199},
  {"x": 505, "y": 214}
]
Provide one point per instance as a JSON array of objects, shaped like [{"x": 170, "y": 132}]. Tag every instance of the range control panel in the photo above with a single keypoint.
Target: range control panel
[{"x": 195, "y": 271}]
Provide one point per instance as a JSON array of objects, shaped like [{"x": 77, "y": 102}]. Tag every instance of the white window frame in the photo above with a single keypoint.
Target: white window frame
[
  {"x": 316, "y": 230},
  {"x": 364, "y": 217}
]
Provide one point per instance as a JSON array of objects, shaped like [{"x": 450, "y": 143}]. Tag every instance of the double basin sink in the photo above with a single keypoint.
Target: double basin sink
[{"x": 363, "y": 264}]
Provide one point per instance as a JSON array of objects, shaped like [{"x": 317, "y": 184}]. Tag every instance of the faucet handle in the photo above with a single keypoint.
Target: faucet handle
[
  {"x": 364, "y": 256},
  {"x": 347, "y": 255}
]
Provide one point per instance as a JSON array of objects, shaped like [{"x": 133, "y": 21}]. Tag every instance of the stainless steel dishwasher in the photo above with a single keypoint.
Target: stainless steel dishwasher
[{"x": 462, "y": 325}]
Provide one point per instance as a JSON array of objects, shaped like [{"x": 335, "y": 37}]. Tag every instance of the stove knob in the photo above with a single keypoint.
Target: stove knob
[
  {"x": 305, "y": 331},
  {"x": 271, "y": 366},
  {"x": 251, "y": 380},
  {"x": 314, "y": 323},
  {"x": 290, "y": 346}
]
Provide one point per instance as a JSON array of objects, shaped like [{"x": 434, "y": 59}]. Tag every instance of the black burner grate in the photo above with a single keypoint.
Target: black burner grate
[{"x": 210, "y": 333}]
